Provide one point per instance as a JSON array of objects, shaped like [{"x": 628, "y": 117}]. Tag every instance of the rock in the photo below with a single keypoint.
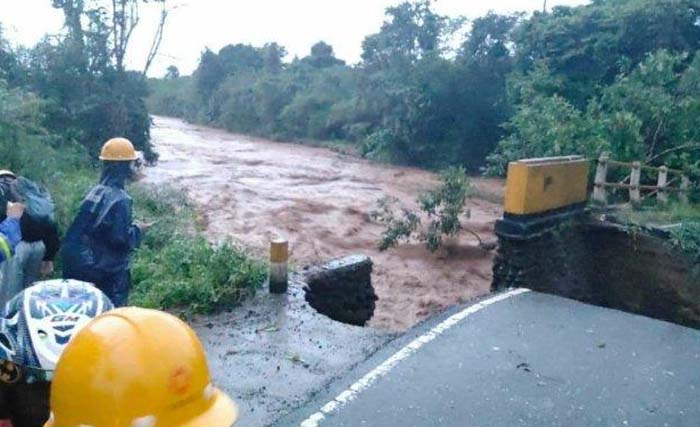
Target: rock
[{"x": 342, "y": 289}]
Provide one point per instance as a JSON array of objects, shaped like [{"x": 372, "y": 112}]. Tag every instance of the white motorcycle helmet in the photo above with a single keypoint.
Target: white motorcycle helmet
[{"x": 39, "y": 322}]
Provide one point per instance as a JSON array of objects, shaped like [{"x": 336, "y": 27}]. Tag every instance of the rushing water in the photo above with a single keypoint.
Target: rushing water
[{"x": 251, "y": 190}]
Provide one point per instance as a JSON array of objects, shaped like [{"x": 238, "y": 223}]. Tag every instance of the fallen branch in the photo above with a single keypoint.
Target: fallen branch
[{"x": 690, "y": 146}]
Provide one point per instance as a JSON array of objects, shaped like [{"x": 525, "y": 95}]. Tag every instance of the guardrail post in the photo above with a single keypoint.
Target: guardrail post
[
  {"x": 662, "y": 194},
  {"x": 685, "y": 186},
  {"x": 601, "y": 175},
  {"x": 635, "y": 177}
]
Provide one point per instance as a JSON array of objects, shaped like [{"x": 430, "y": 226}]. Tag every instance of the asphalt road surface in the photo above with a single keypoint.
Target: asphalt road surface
[{"x": 522, "y": 358}]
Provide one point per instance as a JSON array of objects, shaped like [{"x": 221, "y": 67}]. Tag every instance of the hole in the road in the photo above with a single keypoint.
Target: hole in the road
[{"x": 342, "y": 289}]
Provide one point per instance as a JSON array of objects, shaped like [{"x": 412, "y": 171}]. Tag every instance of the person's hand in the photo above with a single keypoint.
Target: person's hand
[
  {"x": 143, "y": 225},
  {"x": 46, "y": 268},
  {"x": 15, "y": 210}
]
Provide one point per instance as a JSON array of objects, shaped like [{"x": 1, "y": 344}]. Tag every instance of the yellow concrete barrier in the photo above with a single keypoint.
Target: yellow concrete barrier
[{"x": 535, "y": 186}]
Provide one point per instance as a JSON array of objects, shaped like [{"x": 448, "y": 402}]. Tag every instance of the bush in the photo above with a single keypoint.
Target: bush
[
  {"x": 444, "y": 206},
  {"x": 687, "y": 239},
  {"x": 175, "y": 268},
  {"x": 190, "y": 274}
]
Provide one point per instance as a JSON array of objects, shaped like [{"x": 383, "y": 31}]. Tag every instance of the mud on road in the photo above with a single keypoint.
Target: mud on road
[{"x": 251, "y": 190}]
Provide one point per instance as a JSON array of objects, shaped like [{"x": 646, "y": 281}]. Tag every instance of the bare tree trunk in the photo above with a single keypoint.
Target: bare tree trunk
[
  {"x": 157, "y": 39},
  {"x": 115, "y": 33},
  {"x": 125, "y": 18}
]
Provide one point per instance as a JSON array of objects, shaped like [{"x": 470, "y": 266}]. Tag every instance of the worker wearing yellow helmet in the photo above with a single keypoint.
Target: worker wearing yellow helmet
[
  {"x": 134, "y": 367},
  {"x": 98, "y": 245}
]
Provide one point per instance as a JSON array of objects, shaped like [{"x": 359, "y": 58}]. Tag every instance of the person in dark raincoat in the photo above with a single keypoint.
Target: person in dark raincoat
[{"x": 99, "y": 243}]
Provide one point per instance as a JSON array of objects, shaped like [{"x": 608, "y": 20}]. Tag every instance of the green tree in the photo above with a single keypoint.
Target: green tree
[
  {"x": 591, "y": 45},
  {"x": 90, "y": 96},
  {"x": 10, "y": 67},
  {"x": 397, "y": 88},
  {"x": 172, "y": 73},
  {"x": 410, "y": 31},
  {"x": 209, "y": 74},
  {"x": 241, "y": 58},
  {"x": 315, "y": 111},
  {"x": 444, "y": 207},
  {"x": 273, "y": 57},
  {"x": 485, "y": 61},
  {"x": 322, "y": 56},
  {"x": 649, "y": 115}
]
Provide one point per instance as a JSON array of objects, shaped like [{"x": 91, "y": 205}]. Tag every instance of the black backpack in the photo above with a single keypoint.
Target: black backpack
[{"x": 39, "y": 204}]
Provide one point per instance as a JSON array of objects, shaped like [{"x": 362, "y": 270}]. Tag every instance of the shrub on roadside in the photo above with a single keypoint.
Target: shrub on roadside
[{"x": 176, "y": 268}]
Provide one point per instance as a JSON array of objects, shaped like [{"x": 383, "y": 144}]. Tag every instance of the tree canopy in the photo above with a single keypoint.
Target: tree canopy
[
  {"x": 434, "y": 91},
  {"x": 88, "y": 95}
]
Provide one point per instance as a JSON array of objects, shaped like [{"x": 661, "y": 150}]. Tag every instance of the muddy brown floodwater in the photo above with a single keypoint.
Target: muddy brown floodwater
[{"x": 252, "y": 190}]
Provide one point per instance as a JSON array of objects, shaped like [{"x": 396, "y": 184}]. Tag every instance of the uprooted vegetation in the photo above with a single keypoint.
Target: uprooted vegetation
[{"x": 443, "y": 207}]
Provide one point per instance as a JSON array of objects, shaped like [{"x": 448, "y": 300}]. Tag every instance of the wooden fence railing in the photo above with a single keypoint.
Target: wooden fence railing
[{"x": 678, "y": 183}]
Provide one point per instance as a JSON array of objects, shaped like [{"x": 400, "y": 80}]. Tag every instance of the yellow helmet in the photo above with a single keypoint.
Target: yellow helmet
[
  {"x": 118, "y": 150},
  {"x": 134, "y": 367}
]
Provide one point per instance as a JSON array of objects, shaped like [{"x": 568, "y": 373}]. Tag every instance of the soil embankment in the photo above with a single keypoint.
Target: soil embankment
[{"x": 251, "y": 190}]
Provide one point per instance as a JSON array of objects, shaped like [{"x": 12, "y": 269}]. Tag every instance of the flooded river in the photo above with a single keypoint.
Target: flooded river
[{"x": 251, "y": 190}]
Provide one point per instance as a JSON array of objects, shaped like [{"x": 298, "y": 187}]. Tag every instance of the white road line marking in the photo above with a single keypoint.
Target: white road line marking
[{"x": 365, "y": 382}]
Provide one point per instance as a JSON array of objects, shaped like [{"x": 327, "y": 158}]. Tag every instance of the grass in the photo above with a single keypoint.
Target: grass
[
  {"x": 687, "y": 238},
  {"x": 178, "y": 269},
  {"x": 682, "y": 220},
  {"x": 659, "y": 215}
]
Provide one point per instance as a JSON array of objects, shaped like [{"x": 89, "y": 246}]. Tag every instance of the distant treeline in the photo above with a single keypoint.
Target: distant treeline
[{"x": 615, "y": 75}]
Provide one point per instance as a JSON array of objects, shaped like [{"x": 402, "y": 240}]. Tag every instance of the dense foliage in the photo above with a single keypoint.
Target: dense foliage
[
  {"x": 175, "y": 267},
  {"x": 58, "y": 103},
  {"x": 88, "y": 96},
  {"x": 616, "y": 75},
  {"x": 411, "y": 99},
  {"x": 178, "y": 269}
]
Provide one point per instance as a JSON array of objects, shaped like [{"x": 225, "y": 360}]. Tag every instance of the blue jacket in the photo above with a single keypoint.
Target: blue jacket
[
  {"x": 10, "y": 236},
  {"x": 102, "y": 236}
]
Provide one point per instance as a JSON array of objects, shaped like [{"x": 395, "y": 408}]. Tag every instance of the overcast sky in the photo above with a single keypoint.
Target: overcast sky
[{"x": 296, "y": 24}]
